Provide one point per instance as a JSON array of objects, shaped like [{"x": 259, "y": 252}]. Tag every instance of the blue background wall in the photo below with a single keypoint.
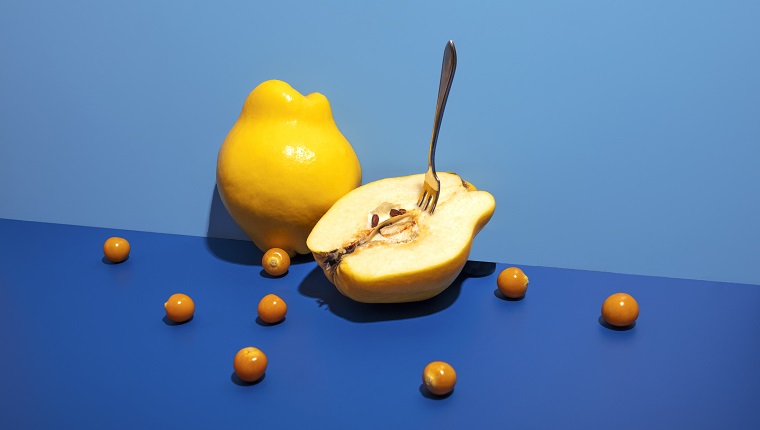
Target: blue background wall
[{"x": 615, "y": 135}]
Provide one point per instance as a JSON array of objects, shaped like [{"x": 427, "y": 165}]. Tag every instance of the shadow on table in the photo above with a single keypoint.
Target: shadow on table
[
  {"x": 111, "y": 263},
  {"x": 171, "y": 323},
  {"x": 237, "y": 381},
  {"x": 263, "y": 323},
  {"x": 235, "y": 251},
  {"x": 501, "y": 296},
  {"x": 428, "y": 395},
  {"x": 317, "y": 286},
  {"x": 609, "y": 326},
  {"x": 226, "y": 241}
]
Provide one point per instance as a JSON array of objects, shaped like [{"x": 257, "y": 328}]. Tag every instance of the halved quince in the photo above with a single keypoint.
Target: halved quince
[{"x": 376, "y": 246}]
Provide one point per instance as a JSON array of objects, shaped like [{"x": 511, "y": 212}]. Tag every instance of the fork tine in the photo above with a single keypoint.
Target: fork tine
[
  {"x": 421, "y": 201},
  {"x": 428, "y": 200},
  {"x": 435, "y": 203}
]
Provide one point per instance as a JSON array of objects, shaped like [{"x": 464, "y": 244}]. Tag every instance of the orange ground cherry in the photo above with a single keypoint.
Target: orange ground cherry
[
  {"x": 250, "y": 364},
  {"x": 620, "y": 310},
  {"x": 276, "y": 262},
  {"x": 272, "y": 309},
  {"x": 179, "y": 308},
  {"x": 439, "y": 378},
  {"x": 116, "y": 249},
  {"x": 512, "y": 282}
]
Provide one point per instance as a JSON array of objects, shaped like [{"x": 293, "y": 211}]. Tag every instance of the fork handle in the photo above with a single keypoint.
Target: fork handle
[{"x": 448, "y": 68}]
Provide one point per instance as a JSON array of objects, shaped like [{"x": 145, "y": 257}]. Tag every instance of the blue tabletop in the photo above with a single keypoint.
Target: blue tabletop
[{"x": 85, "y": 344}]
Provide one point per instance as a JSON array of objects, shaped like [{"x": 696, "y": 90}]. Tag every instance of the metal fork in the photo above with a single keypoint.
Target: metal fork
[{"x": 431, "y": 188}]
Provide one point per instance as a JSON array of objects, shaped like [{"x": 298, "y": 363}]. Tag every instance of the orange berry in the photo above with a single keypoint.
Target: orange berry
[
  {"x": 439, "y": 378},
  {"x": 250, "y": 364},
  {"x": 620, "y": 310},
  {"x": 276, "y": 262},
  {"x": 116, "y": 249},
  {"x": 179, "y": 308},
  {"x": 512, "y": 282},
  {"x": 272, "y": 309}
]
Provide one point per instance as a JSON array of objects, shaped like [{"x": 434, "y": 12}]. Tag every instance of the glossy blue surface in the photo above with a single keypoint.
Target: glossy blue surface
[
  {"x": 85, "y": 345},
  {"x": 618, "y": 136}
]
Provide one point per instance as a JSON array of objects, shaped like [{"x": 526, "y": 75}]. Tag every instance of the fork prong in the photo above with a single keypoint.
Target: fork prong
[
  {"x": 421, "y": 201},
  {"x": 435, "y": 203},
  {"x": 428, "y": 201},
  {"x": 428, "y": 197}
]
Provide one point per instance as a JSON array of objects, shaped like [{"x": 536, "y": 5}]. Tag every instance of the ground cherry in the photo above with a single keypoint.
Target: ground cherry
[
  {"x": 620, "y": 310},
  {"x": 116, "y": 249},
  {"x": 272, "y": 309},
  {"x": 179, "y": 308},
  {"x": 276, "y": 262},
  {"x": 512, "y": 282},
  {"x": 439, "y": 378},
  {"x": 250, "y": 364}
]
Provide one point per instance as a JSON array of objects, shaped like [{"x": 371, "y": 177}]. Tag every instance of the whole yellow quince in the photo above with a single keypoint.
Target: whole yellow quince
[{"x": 283, "y": 165}]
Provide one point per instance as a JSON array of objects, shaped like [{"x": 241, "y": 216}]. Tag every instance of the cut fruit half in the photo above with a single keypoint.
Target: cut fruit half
[{"x": 376, "y": 246}]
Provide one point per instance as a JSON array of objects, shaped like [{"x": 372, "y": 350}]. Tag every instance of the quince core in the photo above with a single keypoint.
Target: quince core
[{"x": 376, "y": 246}]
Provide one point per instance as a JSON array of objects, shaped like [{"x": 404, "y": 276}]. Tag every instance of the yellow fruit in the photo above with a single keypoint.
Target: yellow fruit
[
  {"x": 512, "y": 282},
  {"x": 179, "y": 308},
  {"x": 439, "y": 378},
  {"x": 275, "y": 262},
  {"x": 283, "y": 165},
  {"x": 620, "y": 310},
  {"x": 116, "y": 249},
  {"x": 272, "y": 309},
  {"x": 250, "y": 364},
  {"x": 376, "y": 246}
]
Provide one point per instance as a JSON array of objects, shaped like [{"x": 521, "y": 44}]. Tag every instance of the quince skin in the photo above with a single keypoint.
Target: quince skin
[
  {"x": 376, "y": 246},
  {"x": 282, "y": 165}
]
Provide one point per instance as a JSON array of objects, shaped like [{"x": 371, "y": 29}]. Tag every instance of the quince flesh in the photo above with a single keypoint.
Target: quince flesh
[
  {"x": 282, "y": 165},
  {"x": 376, "y": 246}
]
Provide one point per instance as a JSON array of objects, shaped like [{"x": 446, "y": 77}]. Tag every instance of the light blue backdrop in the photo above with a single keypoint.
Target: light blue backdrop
[{"x": 615, "y": 135}]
